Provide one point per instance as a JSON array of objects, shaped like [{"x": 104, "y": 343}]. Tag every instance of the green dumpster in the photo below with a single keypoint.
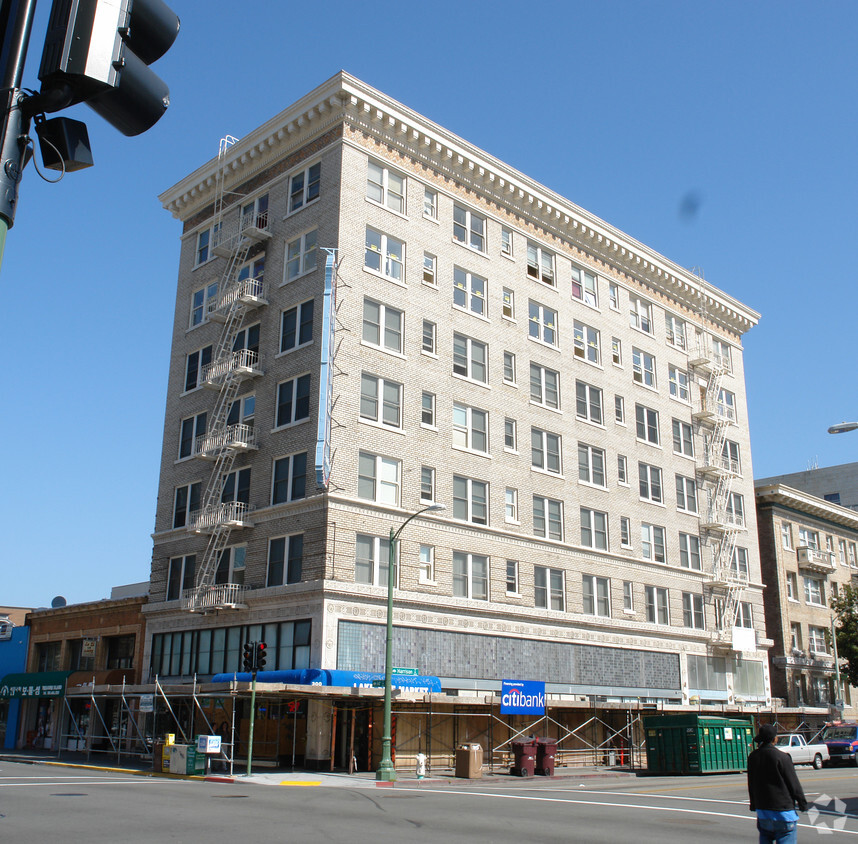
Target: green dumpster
[{"x": 697, "y": 744}]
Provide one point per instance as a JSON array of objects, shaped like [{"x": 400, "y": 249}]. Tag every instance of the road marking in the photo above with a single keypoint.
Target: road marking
[{"x": 301, "y": 782}]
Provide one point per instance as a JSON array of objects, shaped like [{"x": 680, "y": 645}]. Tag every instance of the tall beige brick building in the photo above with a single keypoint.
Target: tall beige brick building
[{"x": 573, "y": 398}]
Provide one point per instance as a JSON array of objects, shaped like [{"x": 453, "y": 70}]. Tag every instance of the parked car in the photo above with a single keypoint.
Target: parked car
[
  {"x": 842, "y": 742},
  {"x": 801, "y": 752}
]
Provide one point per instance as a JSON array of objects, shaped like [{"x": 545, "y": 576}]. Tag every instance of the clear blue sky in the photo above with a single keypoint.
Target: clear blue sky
[{"x": 723, "y": 135}]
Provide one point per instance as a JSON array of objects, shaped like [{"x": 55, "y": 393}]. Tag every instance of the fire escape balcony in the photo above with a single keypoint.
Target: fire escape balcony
[
  {"x": 231, "y": 514},
  {"x": 815, "y": 561},
  {"x": 721, "y": 519},
  {"x": 717, "y": 465},
  {"x": 239, "y": 438},
  {"x": 251, "y": 227},
  {"x": 242, "y": 363},
  {"x": 220, "y": 596},
  {"x": 248, "y": 293}
]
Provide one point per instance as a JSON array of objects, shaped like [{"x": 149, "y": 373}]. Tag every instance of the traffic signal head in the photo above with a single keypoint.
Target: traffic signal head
[
  {"x": 260, "y": 655},
  {"x": 249, "y": 658},
  {"x": 100, "y": 51}
]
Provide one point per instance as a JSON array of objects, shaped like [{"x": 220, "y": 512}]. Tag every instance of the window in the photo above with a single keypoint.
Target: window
[
  {"x": 380, "y": 401},
  {"x": 616, "y": 351},
  {"x": 544, "y": 386},
  {"x": 656, "y": 605},
  {"x": 726, "y": 407},
  {"x": 808, "y": 538},
  {"x": 185, "y": 501},
  {"x": 650, "y": 483},
  {"x": 49, "y": 656},
  {"x": 180, "y": 576},
  {"x": 470, "y": 428},
  {"x": 469, "y": 292},
  {"x": 844, "y": 561},
  {"x": 689, "y": 552},
  {"x": 619, "y": 410},
  {"x": 509, "y": 368},
  {"x": 510, "y": 435},
  {"x": 548, "y": 591},
  {"x": 852, "y": 554},
  {"x": 382, "y": 326},
  {"x": 548, "y": 518},
  {"x": 195, "y": 365},
  {"x": 816, "y": 639},
  {"x": 426, "y": 571},
  {"x": 542, "y": 323},
  {"x": 385, "y": 187},
  {"x": 795, "y": 636},
  {"x": 301, "y": 255},
  {"x": 675, "y": 331},
  {"x": 427, "y": 484},
  {"x": 470, "y": 358},
  {"x": 721, "y": 354},
  {"x": 652, "y": 543},
  {"x": 584, "y": 287},
  {"x": 231, "y": 565},
  {"x": 814, "y": 591},
  {"x": 428, "y": 342},
  {"x": 304, "y": 187},
  {"x": 296, "y": 327},
  {"x": 427, "y": 409},
  {"x": 614, "y": 295},
  {"x": 540, "y": 263},
  {"x": 206, "y": 239},
  {"x": 786, "y": 536},
  {"x": 191, "y": 429},
  {"x": 430, "y": 203},
  {"x": 586, "y": 342},
  {"x": 686, "y": 494},
  {"x": 470, "y": 576},
  {"x": 236, "y": 487},
  {"x": 692, "y": 610},
  {"x": 120, "y": 652},
  {"x": 469, "y": 228},
  {"x": 378, "y": 478},
  {"x": 289, "y": 480},
  {"x": 683, "y": 441},
  {"x": 255, "y": 214},
  {"x": 285, "y": 560},
  {"x": 241, "y": 411},
  {"x": 735, "y": 509},
  {"x": 622, "y": 469},
  {"x": 591, "y": 465},
  {"x": 203, "y": 302},
  {"x": 744, "y": 615},
  {"x": 372, "y": 560},
  {"x": 792, "y": 585},
  {"x": 678, "y": 384},
  {"x": 385, "y": 255},
  {"x": 508, "y": 304},
  {"x": 512, "y": 577},
  {"x": 643, "y": 367},
  {"x": 247, "y": 338},
  {"x": 430, "y": 269},
  {"x": 625, "y": 532},
  {"x": 588, "y": 402},
  {"x": 511, "y": 505},
  {"x": 640, "y": 314},
  {"x": 293, "y": 401},
  {"x": 470, "y": 500},
  {"x": 646, "y": 424},
  {"x": 545, "y": 451},
  {"x": 739, "y": 563},
  {"x": 594, "y": 529},
  {"x": 628, "y": 596},
  {"x": 506, "y": 242}
]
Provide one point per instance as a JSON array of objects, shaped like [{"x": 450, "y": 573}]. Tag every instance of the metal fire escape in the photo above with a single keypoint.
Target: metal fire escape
[{"x": 238, "y": 294}]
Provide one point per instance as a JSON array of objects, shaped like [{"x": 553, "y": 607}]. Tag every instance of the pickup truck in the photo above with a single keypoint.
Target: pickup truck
[
  {"x": 842, "y": 742},
  {"x": 801, "y": 752}
]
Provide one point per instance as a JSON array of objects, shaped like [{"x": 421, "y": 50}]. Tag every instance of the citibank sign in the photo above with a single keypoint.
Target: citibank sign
[{"x": 524, "y": 697}]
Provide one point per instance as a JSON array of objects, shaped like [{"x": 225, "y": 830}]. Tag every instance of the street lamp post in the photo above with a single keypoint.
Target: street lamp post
[{"x": 386, "y": 771}]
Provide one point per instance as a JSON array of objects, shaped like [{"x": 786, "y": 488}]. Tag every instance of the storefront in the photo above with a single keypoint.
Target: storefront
[{"x": 41, "y": 694}]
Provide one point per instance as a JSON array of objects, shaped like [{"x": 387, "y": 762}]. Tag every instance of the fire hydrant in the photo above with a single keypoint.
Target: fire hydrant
[{"x": 421, "y": 765}]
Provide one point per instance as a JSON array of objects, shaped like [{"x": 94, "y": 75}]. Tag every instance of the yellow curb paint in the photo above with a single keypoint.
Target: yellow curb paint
[{"x": 301, "y": 782}]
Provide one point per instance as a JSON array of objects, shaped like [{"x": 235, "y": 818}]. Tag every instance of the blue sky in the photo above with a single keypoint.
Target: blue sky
[{"x": 723, "y": 135}]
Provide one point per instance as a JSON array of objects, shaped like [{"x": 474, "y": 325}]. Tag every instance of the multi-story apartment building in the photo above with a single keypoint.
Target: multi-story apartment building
[
  {"x": 808, "y": 554},
  {"x": 835, "y": 484},
  {"x": 373, "y": 316}
]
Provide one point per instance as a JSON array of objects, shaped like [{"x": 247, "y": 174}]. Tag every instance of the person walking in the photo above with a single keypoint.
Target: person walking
[{"x": 774, "y": 790}]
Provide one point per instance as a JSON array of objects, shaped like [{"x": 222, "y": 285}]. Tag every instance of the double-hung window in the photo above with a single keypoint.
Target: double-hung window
[
  {"x": 469, "y": 292},
  {"x": 379, "y": 478},
  {"x": 289, "y": 478},
  {"x": 726, "y": 405},
  {"x": 232, "y": 565},
  {"x": 427, "y": 409},
  {"x": 586, "y": 342},
  {"x": 739, "y": 563},
  {"x": 236, "y": 487},
  {"x": 596, "y": 595},
  {"x": 675, "y": 330},
  {"x": 544, "y": 386},
  {"x": 430, "y": 269},
  {"x": 548, "y": 591},
  {"x": 678, "y": 382},
  {"x": 542, "y": 323},
  {"x": 428, "y": 341},
  {"x": 470, "y": 358},
  {"x": 470, "y": 500},
  {"x": 614, "y": 295},
  {"x": 385, "y": 255},
  {"x": 203, "y": 302},
  {"x": 427, "y": 484},
  {"x": 692, "y": 610},
  {"x": 304, "y": 186},
  {"x": 381, "y": 400},
  {"x": 190, "y": 431},
  {"x": 584, "y": 287},
  {"x": 657, "y": 609},
  {"x": 735, "y": 509},
  {"x": 548, "y": 518},
  {"x": 646, "y": 424},
  {"x": 186, "y": 501},
  {"x": 293, "y": 401},
  {"x": 508, "y": 303},
  {"x": 545, "y": 451},
  {"x": 816, "y": 639},
  {"x": 540, "y": 263},
  {"x": 588, "y": 402},
  {"x": 285, "y": 560},
  {"x": 512, "y": 577},
  {"x": 426, "y": 572},
  {"x": 382, "y": 326},
  {"x": 730, "y": 454},
  {"x": 591, "y": 465},
  {"x": 745, "y": 616},
  {"x": 643, "y": 367},
  {"x": 469, "y": 228},
  {"x": 301, "y": 255},
  {"x": 650, "y": 483},
  {"x": 686, "y": 494},
  {"x": 180, "y": 576},
  {"x": 652, "y": 543},
  {"x": 511, "y": 505},
  {"x": 372, "y": 559},
  {"x": 508, "y": 368},
  {"x": 594, "y": 529},
  {"x": 510, "y": 434},
  {"x": 683, "y": 440},
  {"x": 640, "y": 314},
  {"x": 689, "y": 551},
  {"x": 255, "y": 214},
  {"x": 616, "y": 351},
  {"x": 296, "y": 326},
  {"x": 430, "y": 204},
  {"x": 506, "y": 242},
  {"x": 470, "y": 576},
  {"x": 195, "y": 365},
  {"x": 385, "y": 187},
  {"x": 814, "y": 591},
  {"x": 721, "y": 354},
  {"x": 470, "y": 428}
]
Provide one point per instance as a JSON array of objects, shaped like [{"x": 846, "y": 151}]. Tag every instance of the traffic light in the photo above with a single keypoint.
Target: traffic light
[
  {"x": 98, "y": 52},
  {"x": 260, "y": 655},
  {"x": 249, "y": 659}
]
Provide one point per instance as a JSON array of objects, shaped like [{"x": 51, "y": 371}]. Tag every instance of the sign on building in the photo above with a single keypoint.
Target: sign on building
[{"x": 522, "y": 697}]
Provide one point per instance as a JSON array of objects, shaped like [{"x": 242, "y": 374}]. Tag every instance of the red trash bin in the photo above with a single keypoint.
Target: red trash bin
[
  {"x": 546, "y": 750},
  {"x": 525, "y": 757}
]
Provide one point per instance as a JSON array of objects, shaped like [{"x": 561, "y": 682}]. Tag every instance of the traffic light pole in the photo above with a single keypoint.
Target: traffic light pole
[{"x": 250, "y": 729}]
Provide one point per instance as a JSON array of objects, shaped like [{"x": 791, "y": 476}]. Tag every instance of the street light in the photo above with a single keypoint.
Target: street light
[
  {"x": 386, "y": 771},
  {"x": 843, "y": 427}
]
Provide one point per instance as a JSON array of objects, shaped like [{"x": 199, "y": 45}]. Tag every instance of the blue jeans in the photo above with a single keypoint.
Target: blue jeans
[{"x": 777, "y": 832}]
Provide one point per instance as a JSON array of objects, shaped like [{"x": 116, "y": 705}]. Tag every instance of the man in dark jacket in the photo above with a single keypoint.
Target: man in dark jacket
[{"x": 774, "y": 790}]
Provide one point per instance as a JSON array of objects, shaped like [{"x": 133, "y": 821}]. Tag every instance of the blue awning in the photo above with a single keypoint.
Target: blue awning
[{"x": 331, "y": 677}]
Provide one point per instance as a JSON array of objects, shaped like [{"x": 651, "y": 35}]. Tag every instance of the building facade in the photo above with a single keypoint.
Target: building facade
[
  {"x": 835, "y": 484},
  {"x": 374, "y": 316},
  {"x": 808, "y": 552}
]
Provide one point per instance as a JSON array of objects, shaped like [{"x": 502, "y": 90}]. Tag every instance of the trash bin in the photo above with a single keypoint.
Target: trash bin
[
  {"x": 469, "y": 761},
  {"x": 525, "y": 758},
  {"x": 546, "y": 750}
]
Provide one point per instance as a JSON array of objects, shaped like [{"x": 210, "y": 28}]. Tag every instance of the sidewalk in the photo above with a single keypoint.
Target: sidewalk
[{"x": 299, "y": 778}]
